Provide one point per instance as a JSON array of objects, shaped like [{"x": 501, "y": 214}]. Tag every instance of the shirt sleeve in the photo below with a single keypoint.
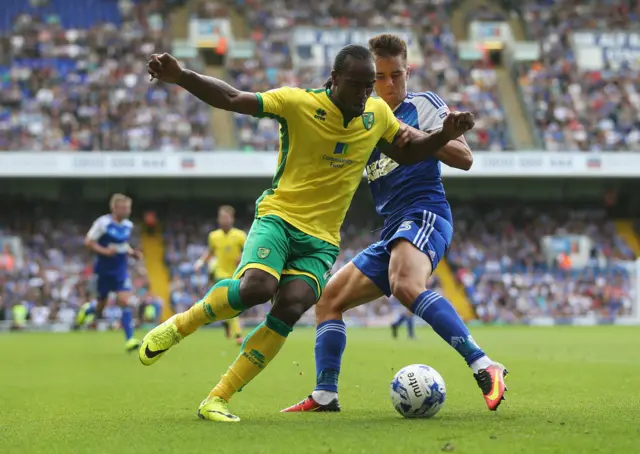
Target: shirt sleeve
[
  {"x": 279, "y": 102},
  {"x": 391, "y": 124},
  {"x": 98, "y": 228},
  {"x": 431, "y": 110}
]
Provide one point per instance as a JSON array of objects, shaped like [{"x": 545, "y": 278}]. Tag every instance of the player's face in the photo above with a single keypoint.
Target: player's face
[
  {"x": 225, "y": 220},
  {"x": 391, "y": 79},
  {"x": 354, "y": 85},
  {"x": 122, "y": 210}
]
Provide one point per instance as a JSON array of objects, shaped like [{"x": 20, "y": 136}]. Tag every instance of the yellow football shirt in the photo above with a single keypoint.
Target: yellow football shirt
[
  {"x": 321, "y": 159},
  {"x": 227, "y": 247}
]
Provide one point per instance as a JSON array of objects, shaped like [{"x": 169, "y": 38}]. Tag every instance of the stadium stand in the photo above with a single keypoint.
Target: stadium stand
[
  {"x": 574, "y": 109},
  {"x": 461, "y": 85},
  {"x": 77, "y": 81},
  {"x": 498, "y": 256}
]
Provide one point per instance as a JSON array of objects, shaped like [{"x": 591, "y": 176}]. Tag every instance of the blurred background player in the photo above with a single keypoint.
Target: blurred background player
[
  {"x": 404, "y": 316},
  {"x": 418, "y": 229},
  {"x": 225, "y": 246},
  {"x": 109, "y": 239}
]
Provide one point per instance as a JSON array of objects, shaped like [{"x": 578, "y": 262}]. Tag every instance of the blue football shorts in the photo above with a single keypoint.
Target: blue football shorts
[
  {"x": 430, "y": 233},
  {"x": 112, "y": 284}
]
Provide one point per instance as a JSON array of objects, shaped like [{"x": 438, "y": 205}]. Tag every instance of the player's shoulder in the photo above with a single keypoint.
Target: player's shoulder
[
  {"x": 426, "y": 99},
  {"x": 374, "y": 103},
  {"x": 104, "y": 220},
  {"x": 238, "y": 232},
  {"x": 286, "y": 91},
  {"x": 215, "y": 234},
  {"x": 312, "y": 97}
]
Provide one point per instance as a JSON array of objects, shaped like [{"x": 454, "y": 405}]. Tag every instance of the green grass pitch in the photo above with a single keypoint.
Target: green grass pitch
[{"x": 571, "y": 390}]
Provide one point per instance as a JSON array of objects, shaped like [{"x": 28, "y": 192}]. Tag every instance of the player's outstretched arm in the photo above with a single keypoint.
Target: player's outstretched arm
[
  {"x": 213, "y": 91},
  {"x": 456, "y": 153},
  {"x": 204, "y": 258},
  {"x": 95, "y": 247},
  {"x": 423, "y": 146}
]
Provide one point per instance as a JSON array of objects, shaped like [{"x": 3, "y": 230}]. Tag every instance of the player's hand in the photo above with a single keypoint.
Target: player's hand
[
  {"x": 198, "y": 265},
  {"x": 457, "y": 123},
  {"x": 164, "y": 67},
  {"x": 110, "y": 251},
  {"x": 136, "y": 254}
]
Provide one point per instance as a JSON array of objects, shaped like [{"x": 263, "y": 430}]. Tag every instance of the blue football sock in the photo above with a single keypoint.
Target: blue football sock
[
  {"x": 158, "y": 307},
  {"x": 443, "y": 318},
  {"x": 410, "y": 325},
  {"x": 127, "y": 322},
  {"x": 331, "y": 339}
]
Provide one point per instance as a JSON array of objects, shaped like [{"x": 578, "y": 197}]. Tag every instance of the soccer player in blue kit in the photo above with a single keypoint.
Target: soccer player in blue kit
[
  {"x": 418, "y": 229},
  {"x": 109, "y": 238}
]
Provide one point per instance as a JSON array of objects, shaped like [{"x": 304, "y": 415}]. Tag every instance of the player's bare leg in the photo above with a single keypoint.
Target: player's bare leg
[
  {"x": 347, "y": 289},
  {"x": 291, "y": 301},
  {"x": 409, "y": 269}
]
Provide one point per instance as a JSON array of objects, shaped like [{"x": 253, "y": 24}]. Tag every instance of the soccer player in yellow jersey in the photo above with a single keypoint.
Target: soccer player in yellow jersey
[
  {"x": 226, "y": 245},
  {"x": 327, "y": 136}
]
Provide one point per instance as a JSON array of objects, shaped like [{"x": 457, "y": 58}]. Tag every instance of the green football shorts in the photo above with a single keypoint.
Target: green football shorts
[{"x": 278, "y": 248}]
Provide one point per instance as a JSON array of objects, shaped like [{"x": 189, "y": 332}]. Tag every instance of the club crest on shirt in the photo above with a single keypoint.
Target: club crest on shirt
[
  {"x": 406, "y": 225},
  {"x": 263, "y": 252},
  {"x": 367, "y": 120}
]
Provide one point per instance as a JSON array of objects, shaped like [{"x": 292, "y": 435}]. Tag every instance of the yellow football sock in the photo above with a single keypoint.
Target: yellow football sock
[
  {"x": 234, "y": 327},
  {"x": 221, "y": 303},
  {"x": 260, "y": 347}
]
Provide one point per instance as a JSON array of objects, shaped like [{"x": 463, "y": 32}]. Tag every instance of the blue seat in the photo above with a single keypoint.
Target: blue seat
[{"x": 72, "y": 13}]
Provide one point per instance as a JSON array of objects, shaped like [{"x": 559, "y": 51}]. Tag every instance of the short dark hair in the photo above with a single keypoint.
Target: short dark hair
[
  {"x": 355, "y": 51},
  {"x": 387, "y": 45}
]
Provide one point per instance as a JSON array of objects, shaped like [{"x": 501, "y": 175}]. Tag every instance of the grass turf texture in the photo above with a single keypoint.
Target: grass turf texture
[{"x": 571, "y": 389}]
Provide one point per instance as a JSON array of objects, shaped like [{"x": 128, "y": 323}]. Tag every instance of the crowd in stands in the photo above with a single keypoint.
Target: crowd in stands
[
  {"x": 575, "y": 109},
  {"x": 76, "y": 80},
  {"x": 463, "y": 86},
  {"x": 498, "y": 255},
  {"x": 510, "y": 276}
]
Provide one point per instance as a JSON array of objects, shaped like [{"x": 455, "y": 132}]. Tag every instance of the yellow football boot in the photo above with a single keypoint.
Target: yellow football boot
[
  {"x": 158, "y": 341},
  {"x": 216, "y": 409},
  {"x": 132, "y": 345}
]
